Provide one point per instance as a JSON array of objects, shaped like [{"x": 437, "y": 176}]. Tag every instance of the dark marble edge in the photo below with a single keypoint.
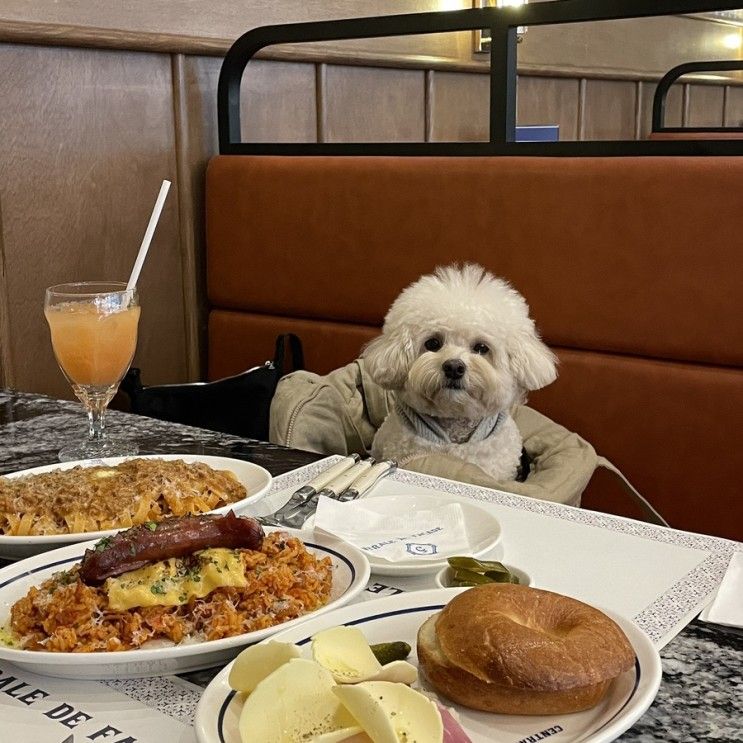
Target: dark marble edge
[{"x": 29, "y": 422}]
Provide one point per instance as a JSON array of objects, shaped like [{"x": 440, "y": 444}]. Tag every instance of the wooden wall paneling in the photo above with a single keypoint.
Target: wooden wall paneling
[
  {"x": 610, "y": 110},
  {"x": 706, "y": 103},
  {"x": 549, "y": 100},
  {"x": 225, "y": 20},
  {"x": 638, "y": 109},
  {"x": 87, "y": 139},
  {"x": 278, "y": 103},
  {"x": 734, "y": 106},
  {"x": 374, "y": 104},
  {"x": 191, "y": 226},
  {"x": 582, "y": 109},
  {"x": 6, "y": 362},
  {"x": 459, "y": 107},
  {"x": 321, "y": 109},
  {"x": 674, "y": 107},
  {"x": 648, "y": 46}
]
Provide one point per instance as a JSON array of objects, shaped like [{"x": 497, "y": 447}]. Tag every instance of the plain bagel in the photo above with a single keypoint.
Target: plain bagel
[{"x": 516, "y": 650}]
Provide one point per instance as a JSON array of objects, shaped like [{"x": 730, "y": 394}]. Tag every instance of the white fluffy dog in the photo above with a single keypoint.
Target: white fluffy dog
[{"x": 459, "y": 349}]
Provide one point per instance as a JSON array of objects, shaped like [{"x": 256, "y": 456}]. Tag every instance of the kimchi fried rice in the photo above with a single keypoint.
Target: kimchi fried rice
[{"x": 63, "y": 614}]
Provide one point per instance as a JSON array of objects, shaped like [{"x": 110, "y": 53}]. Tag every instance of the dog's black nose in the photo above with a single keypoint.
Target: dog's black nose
[{"x": 454, "y": 368}]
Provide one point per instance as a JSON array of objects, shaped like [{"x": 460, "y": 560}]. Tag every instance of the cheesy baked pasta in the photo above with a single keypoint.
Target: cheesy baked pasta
[{"x": 84, "y": 499}]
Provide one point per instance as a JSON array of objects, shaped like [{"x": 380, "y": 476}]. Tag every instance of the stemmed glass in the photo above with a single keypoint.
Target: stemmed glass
[{"x": 93, "y": 326}]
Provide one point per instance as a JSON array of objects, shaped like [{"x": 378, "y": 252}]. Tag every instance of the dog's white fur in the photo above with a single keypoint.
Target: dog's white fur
[{"x": 461, "y": 307}]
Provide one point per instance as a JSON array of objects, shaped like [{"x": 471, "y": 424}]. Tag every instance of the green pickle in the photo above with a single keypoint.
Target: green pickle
[
  {"x": 467, "y": 571},
  {"x": 501, "y": 577},
  {"x": 386, "y": 652},
  {"x": 469, "y": 578}
]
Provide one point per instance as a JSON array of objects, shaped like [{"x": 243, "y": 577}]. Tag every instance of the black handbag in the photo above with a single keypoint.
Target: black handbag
[{"x": 238, "y": 405}]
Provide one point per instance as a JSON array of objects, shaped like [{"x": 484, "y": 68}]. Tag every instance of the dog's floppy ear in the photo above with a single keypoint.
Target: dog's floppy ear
[
  {"x": 387, "y": 358},
  {"x": 532, "y": 363}
]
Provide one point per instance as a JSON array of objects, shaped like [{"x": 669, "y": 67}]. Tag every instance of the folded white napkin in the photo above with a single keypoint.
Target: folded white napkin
[
  {"x": 727, "y": 605},
  {"x": 388, "y": 531}
]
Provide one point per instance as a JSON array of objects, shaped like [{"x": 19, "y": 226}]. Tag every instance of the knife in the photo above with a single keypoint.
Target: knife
[
  {"x": 336, "y": 486},
  {"x": 302, "y": 496},
  {"x": 361, "y": 485}
]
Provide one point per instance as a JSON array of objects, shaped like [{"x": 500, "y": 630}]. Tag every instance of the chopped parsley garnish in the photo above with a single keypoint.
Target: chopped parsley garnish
[
  {"x": 151, "y": 525},
  {"x": 157, "y": 588},
  {"x": 194, "y": 573},
  {"x": 65, "y": 578},
  {"x": 103, "y": 544}
]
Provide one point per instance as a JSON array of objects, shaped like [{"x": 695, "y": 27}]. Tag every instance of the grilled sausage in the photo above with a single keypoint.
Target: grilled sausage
[{"x": 174, "y": 537}]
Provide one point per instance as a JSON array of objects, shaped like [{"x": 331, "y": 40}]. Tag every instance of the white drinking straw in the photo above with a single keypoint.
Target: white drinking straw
[{"x": 148, "y": 233}]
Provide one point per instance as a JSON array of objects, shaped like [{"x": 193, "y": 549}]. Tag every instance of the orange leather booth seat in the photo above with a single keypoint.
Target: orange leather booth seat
[{"x": 631, "y": 267}]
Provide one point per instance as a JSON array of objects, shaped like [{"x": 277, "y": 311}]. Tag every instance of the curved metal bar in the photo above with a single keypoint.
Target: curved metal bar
[
  {"x": 502, "y": 23},
  {"x": 246, "y": 47},
  {"x": 661, "y": 92}
]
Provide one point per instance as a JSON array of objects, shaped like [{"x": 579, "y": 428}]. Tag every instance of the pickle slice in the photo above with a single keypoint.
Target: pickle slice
[
  {"x": 467, "y": 571},
  {"x": 478, "y": 566},
  {"x": 470, "y": 578},
  {"x": 496, "y": 576},
  {"x": 386, "y": 652}
]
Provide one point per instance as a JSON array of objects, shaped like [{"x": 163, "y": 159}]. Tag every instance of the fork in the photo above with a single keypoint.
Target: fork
[{"x": 358, "y": 487}]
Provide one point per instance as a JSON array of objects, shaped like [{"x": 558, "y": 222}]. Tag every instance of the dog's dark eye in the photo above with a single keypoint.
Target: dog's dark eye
[
  {"x": 432, "y": 344},
  {"x": 480, "y": 348}
]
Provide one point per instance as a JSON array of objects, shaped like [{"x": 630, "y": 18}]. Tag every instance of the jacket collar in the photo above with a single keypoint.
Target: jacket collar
[{"x": 428, "y": 427}]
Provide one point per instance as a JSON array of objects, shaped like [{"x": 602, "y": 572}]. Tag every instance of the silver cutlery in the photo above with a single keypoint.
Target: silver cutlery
[
  {"x": 362, "y": 485},
  {"x": 336, "y": 486},
  {"x": 290, "y": 513}
]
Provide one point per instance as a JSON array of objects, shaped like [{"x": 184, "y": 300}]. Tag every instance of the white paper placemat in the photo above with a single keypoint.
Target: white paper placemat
[
  {"x": 658, "y": 577},
  {"x": 51, "y": 710}
]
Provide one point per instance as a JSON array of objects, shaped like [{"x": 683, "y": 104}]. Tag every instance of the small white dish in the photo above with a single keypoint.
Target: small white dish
[
  {"x": 444, "y": 575},
  {"x": 483, "y": 530},
  {"x": 399, "y": 618},
  {"x": 350, "y": 577},
  {"x": 256, "y": 480}
]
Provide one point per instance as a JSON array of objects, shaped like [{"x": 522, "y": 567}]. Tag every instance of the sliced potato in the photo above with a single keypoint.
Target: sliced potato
[
  {"x": 390, "y": 713},
  {"x": 398, "y": 671},
  {"x": 259, "y": 661},
  {"x": 346, "y": 735},
  {"x": 295, "y": 704},
  {"x": 345, "y": 652}
]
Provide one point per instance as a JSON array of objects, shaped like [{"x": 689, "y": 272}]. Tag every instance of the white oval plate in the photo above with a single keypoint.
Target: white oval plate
[
  {"x": 350, "y": 576},
  {"x": 256, "y": 480},
  {"x": 482, "y": 527},
  {"x": 398, "y": 618}
]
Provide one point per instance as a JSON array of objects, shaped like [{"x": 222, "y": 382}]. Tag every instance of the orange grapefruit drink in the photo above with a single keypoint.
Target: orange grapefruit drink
[{"x": 93, "y": 347}]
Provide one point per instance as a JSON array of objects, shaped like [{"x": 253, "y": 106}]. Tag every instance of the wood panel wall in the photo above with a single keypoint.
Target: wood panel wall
[{"x": 86, "y": 136}]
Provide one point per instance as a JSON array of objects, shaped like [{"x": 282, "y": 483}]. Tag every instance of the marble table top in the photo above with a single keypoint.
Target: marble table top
[{"x": 700, "y": 698}]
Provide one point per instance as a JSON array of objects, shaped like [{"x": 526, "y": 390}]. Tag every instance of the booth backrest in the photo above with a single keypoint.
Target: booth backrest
[
  {"x": 631, "y": 267},
  {"x": 692, "y": 134}
]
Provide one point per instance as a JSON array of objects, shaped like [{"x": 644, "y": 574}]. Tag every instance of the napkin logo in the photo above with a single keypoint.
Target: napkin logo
[{"x": 421, "y": 550}]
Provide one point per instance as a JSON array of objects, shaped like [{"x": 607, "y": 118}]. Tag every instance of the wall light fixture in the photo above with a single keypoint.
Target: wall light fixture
[{"x": 482, "y": 39}]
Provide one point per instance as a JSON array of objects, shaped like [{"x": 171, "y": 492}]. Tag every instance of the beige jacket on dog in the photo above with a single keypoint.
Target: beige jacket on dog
[{"x": 340, "y": 413}]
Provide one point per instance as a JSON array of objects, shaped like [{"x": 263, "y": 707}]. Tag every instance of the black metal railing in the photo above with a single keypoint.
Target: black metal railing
[
  {"x": 661, "y": 94},
  {"x": 503, "y": 23}
]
